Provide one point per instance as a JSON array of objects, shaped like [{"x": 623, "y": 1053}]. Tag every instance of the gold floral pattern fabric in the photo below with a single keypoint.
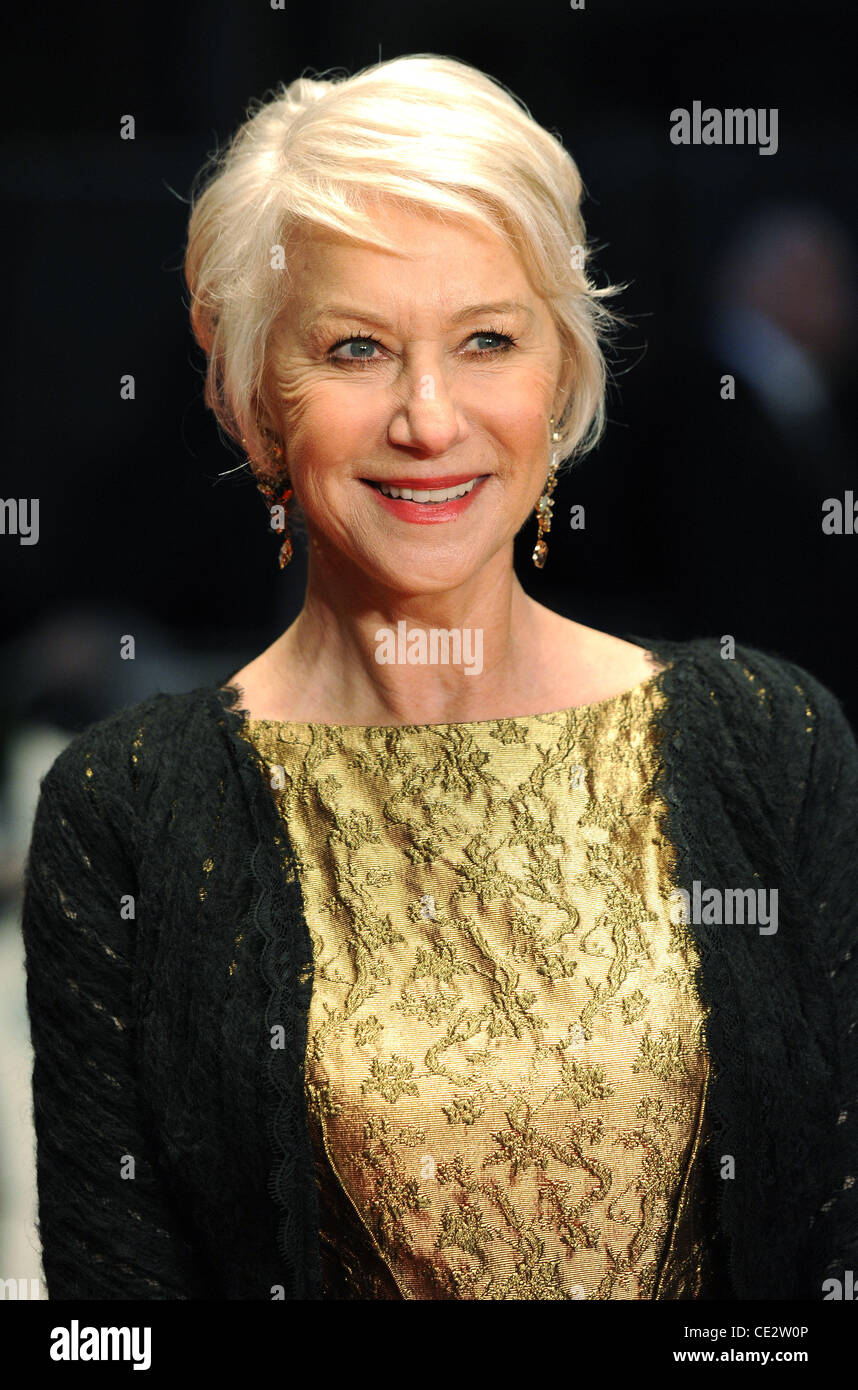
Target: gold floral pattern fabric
[{"x": 506, "y": 1070}]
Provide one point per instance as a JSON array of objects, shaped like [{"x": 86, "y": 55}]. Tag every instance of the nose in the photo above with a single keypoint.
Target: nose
[{"x": 426, "y": 417}]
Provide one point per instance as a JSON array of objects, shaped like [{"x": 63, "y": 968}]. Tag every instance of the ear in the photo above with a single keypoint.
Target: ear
[
  {"x": 261, "y": 412},
  {"x": 565, "y": 385},
  {"x": 261, "y": 463}
]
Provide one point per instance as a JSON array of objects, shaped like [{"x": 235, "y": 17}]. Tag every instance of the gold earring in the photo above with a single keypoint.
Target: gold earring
[
  {"x": 277, "y": 493},
  {"x": 545, "y": 506}
]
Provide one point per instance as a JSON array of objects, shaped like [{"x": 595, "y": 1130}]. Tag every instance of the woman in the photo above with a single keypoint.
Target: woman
[{"x": 451, "y": 949}]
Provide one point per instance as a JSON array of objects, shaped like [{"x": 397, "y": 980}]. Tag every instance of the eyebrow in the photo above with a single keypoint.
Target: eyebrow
[{"x": 345, "y": 311}]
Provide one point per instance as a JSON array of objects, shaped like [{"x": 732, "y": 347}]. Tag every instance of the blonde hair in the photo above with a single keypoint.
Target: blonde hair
[{"x": 424, "y": 130}]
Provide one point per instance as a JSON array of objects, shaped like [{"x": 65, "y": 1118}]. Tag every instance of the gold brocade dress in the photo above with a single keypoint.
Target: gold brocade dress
[{"x": 506, "y": 1071}]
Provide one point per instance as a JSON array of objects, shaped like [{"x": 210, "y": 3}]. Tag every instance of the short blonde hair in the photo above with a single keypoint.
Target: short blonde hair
[{"x": 424, "y": 130}]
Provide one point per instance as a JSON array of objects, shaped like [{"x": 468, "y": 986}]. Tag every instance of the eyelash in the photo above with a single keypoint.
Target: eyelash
[{"x": 509, "y": 340}]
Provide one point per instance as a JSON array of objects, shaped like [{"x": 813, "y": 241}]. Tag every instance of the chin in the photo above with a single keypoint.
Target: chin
[{"x": 420, "y": 573}]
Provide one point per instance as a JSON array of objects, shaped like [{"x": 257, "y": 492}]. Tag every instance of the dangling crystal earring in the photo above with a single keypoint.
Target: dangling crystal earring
[
  {"x": 545, "y": 506},
  {"x": 277, "y": 493}
]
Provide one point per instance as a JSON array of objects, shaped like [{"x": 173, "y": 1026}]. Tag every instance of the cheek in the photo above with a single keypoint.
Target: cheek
[
  {"x": 519, "y": 410},
  {"x": 526, "y": 440},
  {"x": 313, "y": 432},
  {"x": 323, "y": 458}
]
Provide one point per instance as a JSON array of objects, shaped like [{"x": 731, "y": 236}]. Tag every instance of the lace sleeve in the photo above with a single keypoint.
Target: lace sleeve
[
  {"x": 826, "y": 855},
  {"x": 107, "y": 1224}
]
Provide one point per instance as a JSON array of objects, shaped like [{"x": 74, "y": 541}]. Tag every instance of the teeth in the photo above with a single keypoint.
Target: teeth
[{"x": 408, "y": 494}]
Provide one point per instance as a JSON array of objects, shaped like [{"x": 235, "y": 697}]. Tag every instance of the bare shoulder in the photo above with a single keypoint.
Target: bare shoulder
[
  {"x": 261, "y": 693},
  {"x": 614, "y": 655},
  {"x": 596, "y": 665}
]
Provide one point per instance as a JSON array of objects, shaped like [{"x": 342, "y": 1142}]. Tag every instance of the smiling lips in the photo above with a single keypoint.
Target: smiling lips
[{"x": 427, "y": 499}]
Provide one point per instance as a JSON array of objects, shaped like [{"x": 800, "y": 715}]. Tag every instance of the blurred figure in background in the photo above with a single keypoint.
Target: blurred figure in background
[
  {"x": 765, "y": 438},
  {"x": 784, "y": 324}
]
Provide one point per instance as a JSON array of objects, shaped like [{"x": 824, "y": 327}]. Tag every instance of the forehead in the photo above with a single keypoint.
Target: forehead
[{"x": 438, "y": 260}]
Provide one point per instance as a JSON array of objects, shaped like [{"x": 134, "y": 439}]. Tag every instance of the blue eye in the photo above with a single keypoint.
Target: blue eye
[
  {"x": 362, "y": 338},
  {"x": 504, "y": 338}
]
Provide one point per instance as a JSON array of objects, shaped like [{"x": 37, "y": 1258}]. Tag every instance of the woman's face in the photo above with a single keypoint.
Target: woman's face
[{"x": 434, "y": 371}]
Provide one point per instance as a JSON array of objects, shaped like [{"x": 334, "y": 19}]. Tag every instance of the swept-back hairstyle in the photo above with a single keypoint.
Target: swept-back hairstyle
[{"x": 426, "y": 131}]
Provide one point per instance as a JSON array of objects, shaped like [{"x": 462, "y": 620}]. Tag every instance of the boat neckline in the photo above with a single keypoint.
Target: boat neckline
[{"x": 640, "y": 687}]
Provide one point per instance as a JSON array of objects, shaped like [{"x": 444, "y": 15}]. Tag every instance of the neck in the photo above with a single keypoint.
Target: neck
[{"x": 373, "y": 656}]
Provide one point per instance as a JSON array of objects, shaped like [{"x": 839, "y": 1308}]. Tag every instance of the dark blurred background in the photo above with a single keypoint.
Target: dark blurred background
[{"x": 703, "y": 515}]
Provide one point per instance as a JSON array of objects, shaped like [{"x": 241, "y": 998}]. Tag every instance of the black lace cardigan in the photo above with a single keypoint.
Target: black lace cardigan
[{"x": 174, "y": 1159}]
